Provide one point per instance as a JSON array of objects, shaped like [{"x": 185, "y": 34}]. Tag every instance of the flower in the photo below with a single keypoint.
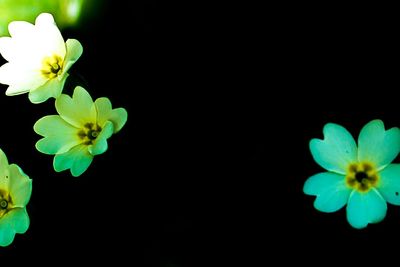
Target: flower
[
  {"x": 362, "y": 177},
  {"x": 80, "y": 132},
  {"x": 38, "y": 58},
  {"x": 15, "y": 192}
]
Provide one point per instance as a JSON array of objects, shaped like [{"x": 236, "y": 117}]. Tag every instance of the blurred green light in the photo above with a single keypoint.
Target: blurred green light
[{"x": 67, "y": 13}]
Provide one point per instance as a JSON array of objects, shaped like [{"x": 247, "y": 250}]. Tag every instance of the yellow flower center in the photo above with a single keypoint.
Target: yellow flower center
[
  {"x": 89, "y": 133},
  {"x": 52, "y": 66},
  {"x": 362, "y": 176},
  {"x": 5, "y": 202}
]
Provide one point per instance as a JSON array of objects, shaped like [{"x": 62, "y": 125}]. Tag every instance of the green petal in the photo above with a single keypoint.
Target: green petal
[
  {"x": 20, "y": 186},
  {"x": 105, "y": 113},
  {"x": 60, "y": 136},
  {"x": 336, "y": 151},
  {"x": 100, "y": 145},
  {"x": 330, "y": 189},
  {"x": 77, "y": 160},
  {"x": 77, "y": 110},
  {"x": 365, "y": 208},
  {"x": 15, "y": 221},
  {"x": 377, "y": 145},
  {"x": 389, "y": 184},
  {"x": 52, "y": 88},
  {"x": 6, "y": 232},
  {"x": 19, "y": 220},
  {"x": 4, "y": 171},
  {"x": 74, "y": 52}
]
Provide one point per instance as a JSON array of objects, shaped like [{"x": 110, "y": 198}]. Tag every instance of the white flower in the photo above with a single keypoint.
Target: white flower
[{"x": 38, "y": 58}]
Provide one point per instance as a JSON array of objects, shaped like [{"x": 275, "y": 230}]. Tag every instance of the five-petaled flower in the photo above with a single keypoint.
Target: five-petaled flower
[
  {"x": 15, "y": 192},
  {"x": 362, "y": 177},
  {"x": 80, "y": 131},
  {"x": 38, "y": 58}
]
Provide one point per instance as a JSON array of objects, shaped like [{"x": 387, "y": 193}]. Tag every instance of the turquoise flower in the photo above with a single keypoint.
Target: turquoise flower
[
  {"x": 80, "y": 131},
  {"x": 361, "y": 177},
  {"x": 15, "y": 192}
]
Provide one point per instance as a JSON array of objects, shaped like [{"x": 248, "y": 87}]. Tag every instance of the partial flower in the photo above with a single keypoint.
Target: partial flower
[
  {"x": 80, "y": 131},
  {"x": 38, "y": 58},
  {"x": 15, "y": 192},
  {"x": 361, "y": 177}
]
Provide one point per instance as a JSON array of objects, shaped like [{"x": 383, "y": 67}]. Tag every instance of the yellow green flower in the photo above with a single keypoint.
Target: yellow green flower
[
  {"x": 38, "y": 58},
  {"x": 15, "y": 192},
  {"x": 361, "y": 177},
  {"x": 80, "y": 131}
]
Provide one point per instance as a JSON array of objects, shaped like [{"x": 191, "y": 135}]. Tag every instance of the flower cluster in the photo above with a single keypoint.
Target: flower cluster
[
  {"x": 38, "y": 63},
  {"x": 361, "y": 177}
]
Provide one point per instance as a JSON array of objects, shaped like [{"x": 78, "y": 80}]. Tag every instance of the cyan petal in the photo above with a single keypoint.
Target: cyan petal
[
  {"x": 19, "y": 220},
  {"x": 74, "y": 52},
  {"x": 60, "y": 136},
  {"x": 52, "y": 88},
  {"x": 336, "y": 151},
  {"x": 20, "y": 186},
  {"x": 100, "y": 145},
  {"x": 105, "y": 113},
  {"x": 6, "y": 232},
  {"x": 377, "y": 145},
  {"x": 78, "y": 159},
  {"x": 330, "y": 189},
  {"x": 15, "y": 221},
  {"x": 77, "y": 110},
  {"x": 389, "y": 184},
  {"x": 365, "y": 208}
]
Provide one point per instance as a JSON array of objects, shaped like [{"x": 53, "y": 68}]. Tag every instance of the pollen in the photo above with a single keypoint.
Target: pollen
[
  {"x": 52, "y": 66},
  {"x": 362, "y": 176},
  {"x": 89, "y": 133}
]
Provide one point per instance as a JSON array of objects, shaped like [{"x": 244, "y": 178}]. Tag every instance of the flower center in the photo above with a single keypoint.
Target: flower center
[
  {"x": 89, "y": 133},
  {"x": 52, "y": 66},
  {"x": 362, "y": 176},
  {"x": 5, "y": 203}
]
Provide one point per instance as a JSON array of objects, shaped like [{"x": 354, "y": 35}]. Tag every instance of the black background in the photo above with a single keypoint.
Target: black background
[
  {"x": 208, "y": 171},
  {"x": 166, "y": 193}
]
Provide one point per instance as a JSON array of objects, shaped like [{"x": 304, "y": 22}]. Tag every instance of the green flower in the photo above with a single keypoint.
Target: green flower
[
  {"x": 361, "y": 177},
  {"x": 15, "y": 192},
  {"x": 80, "y": 132}
]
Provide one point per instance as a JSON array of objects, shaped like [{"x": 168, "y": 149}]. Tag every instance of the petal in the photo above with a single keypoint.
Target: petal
[
  {"x": 74, "y": 52},
  {"x": 49, "y": 38},
  {"x": 389, "y": 184},
  {"x": 330, "y": 189},
  {"x": 4, "y": 171},
  {"x": 105, "y": 113},
  {"x": 20, "y": 186},
  {"x": 365, "y": 208},
  {"x": 21, "y": 30},
  {"x": 336, "y": 151},
  {"x": 52, "y": 88},
  {"x": 77, "y": 110},
  {"x": 60, "y": 136},
  {"x": 20, "y": 78},
  {"x": 77, "y": 159},
  {"x": 20, "y": 220},
  {"x": 15, "y": 221},
  {"x": 100, "y": 145},
  {"x": 377, "y": 145},
  {"x": 6, "y": 232},
  {"x": 6, "y": 48}
]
